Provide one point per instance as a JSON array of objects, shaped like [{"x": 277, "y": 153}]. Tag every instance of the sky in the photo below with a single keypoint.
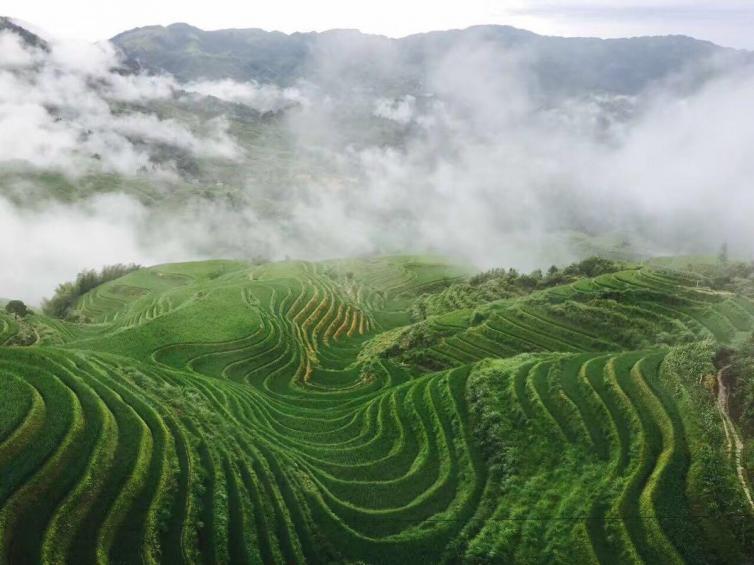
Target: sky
[{"x": 726, "y": 22}]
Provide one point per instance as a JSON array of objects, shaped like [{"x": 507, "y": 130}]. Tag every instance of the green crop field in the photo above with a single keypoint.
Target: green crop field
[{"x": 222, "y": 412}]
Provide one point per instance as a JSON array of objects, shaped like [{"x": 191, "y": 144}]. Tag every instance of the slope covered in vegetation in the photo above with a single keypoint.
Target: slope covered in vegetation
[{"x": 295, "y": 412}]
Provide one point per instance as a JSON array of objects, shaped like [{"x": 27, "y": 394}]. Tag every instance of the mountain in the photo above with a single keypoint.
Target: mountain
[{"x": 570, "y": 65}]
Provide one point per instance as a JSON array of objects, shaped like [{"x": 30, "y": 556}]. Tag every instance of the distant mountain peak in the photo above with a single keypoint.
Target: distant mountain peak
[{"x": 28, "y": 37}]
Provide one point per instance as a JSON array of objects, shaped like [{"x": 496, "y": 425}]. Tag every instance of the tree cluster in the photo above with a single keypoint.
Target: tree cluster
[
  {"x": 591, "y": 267},
  {"x": 67, "y": 294}
]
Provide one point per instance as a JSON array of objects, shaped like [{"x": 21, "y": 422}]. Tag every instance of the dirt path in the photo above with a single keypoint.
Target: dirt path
[{"x": 731, "y": 435}]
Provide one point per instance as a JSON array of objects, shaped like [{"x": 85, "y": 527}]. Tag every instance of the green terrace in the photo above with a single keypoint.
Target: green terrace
[{"x": 223, "y": 412}]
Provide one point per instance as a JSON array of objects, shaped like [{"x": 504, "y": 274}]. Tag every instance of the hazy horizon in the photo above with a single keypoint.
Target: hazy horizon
[{"x": 726, "y": 23}]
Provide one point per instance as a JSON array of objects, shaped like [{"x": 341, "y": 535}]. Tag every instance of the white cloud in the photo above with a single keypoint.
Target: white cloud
[
  {"x": 261, "y": 97},
  {"x": 402, "y": 110},
  {"x": 13, "y": 55},
  {"x": 59, "y": 241}
]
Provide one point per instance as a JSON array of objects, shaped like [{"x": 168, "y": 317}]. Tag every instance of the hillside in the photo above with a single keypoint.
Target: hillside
[{"x": 303, "y": 412}]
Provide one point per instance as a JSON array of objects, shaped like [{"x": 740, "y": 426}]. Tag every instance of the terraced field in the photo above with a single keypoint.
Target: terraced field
[{"x": 219, "y": 412}]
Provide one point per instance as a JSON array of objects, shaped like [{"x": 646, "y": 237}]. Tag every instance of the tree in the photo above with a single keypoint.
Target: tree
[
  {"x": 17, "y": 308},
  {"x": 723, "y": 256}
]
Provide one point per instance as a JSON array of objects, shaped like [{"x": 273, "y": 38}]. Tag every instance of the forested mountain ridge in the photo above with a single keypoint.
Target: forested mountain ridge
[{"x": 566, "y": 66}]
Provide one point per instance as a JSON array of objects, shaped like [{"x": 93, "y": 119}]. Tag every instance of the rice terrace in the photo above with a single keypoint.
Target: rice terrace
[{"x": 379, "y": 410}]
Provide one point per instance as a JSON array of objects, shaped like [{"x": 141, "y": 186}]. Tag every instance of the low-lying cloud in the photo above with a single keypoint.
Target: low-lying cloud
[
  {"x": 59, "y": 109},
  {"x": 261, "y": 97},
  {"x": 42, "y": 247}
]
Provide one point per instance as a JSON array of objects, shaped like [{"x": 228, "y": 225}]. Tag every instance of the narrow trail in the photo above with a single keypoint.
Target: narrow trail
[
  {"x": 722, "y": 406},
  {"x": 732, "y": 437}
]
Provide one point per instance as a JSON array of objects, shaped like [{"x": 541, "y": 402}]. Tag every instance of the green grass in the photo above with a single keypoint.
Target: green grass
[{"x": 219, "y": 412}]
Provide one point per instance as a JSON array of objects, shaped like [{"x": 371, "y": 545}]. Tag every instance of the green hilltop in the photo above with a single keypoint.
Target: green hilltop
[{"x": 377, "y": 410}]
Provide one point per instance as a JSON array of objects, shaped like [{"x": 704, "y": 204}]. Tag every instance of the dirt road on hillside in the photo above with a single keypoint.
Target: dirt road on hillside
[{"x": 734, "y": 443}]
